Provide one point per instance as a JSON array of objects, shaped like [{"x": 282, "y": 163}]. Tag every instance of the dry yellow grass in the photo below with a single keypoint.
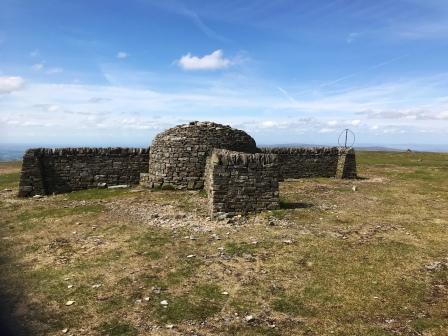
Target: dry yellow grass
[{"x": 332, "y": 261}]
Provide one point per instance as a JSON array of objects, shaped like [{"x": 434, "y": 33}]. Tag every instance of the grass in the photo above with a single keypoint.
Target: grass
[
  {"x": 10, "y": 180},
  {"x": 330, "y": 261}
]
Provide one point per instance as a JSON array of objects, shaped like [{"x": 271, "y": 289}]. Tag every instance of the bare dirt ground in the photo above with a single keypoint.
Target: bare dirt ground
[{"x": 331, "y": 261}]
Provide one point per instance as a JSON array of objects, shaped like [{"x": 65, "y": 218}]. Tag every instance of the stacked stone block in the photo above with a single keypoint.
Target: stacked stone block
[
  {"x": 239, "y": 183},
  {"x": 46, "y": 171},
  {"x": 301, "y": 162},
  {"x": 178, "y": 155}
]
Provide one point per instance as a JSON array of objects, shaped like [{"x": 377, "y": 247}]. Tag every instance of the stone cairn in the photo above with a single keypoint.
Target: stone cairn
[{"x": 178, "y": 156}]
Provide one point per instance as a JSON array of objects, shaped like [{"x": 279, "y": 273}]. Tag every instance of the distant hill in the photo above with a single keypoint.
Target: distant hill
[{"x": 14, "y": 152}]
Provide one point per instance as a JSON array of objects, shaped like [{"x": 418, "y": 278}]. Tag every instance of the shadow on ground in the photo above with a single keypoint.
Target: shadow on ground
[{"x": 295, "y": 205}]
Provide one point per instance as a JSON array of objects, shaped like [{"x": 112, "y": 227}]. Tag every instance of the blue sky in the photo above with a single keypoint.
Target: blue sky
[{"x": 287, "y": 71}]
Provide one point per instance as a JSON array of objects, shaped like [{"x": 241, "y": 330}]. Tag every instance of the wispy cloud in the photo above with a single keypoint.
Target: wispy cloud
[
  {"x": 213, "y": 61},
  {"x": 179, "y": 8},
  {"x": 54, "y": 70},
  {"x": 122, "y": 55},
  {"x": 34, "y": 53},
  {"x": 37, "y": 66}
]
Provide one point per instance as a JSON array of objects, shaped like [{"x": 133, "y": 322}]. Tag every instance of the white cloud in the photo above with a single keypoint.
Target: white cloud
[
  {"x": 213, "y": 61},
  {"x": 122, "y": 55},
  {"x": 34, "y": 53},
  {"x": 37, "y": 66},
  {"x": 352, "y": 37},
  {"x": 257, "y": 107},
  {"x": 10, "y": 84},
  {"x": 53, "y": 71}
]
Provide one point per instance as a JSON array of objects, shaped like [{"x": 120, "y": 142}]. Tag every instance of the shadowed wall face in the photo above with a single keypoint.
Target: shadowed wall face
[
  {"x": 178, "y": 155},
  {"x": 46, "y": 171},
  {"x": 238, "y": 183}
]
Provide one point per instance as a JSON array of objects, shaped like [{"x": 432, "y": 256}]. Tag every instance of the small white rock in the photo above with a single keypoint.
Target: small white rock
[
  {"x": 164, "y": 303},
  {"x": 225, "y": 293},
  {"x": 65, "y": 330},
  {"x": 69, "y": 303},
  {"x": 191, "y": 256},
  {"x": 146, "y": 299},
  {"x": 70, "y": 286},
  {"x": 249, "y": 318},
  {"x": 170, "y": 326}
]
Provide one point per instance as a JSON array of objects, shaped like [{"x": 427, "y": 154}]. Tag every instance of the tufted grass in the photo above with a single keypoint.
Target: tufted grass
[{"x": 330, "y": 261}]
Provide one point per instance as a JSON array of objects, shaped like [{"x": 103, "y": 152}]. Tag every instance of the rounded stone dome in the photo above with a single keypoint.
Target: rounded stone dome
[{"x": 178, "y": 155}]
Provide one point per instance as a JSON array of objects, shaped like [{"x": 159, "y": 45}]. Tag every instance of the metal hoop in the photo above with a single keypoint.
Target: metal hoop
[{"x": 346, "y": 132}]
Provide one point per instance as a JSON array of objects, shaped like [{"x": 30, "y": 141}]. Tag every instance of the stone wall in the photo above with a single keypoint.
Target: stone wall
[
  {"x": 46, "y": 171},
  {"x": 301, "y": 162},
  {"x": 238, "y": 183},
  {"x": 178, "y": 155}
]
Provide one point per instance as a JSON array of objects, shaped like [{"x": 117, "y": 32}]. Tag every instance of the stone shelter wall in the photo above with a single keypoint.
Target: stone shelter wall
[
  {"x": 46, "y": 171},
  {"x": 238, "y": 183},
  {"x": 302, "y": 162},
  {"x": 178, "y": 155}
]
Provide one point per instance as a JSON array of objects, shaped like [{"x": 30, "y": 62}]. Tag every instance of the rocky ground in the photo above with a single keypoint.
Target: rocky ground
[{"x": 341, "y": 257}]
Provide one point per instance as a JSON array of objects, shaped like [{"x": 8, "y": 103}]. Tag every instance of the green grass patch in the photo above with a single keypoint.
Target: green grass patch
[
  {"x": 42, "y": 212},
  {"x": 117, "y": 328},
  {"x": 97, "y": 193},
  {"x": 184, "y": 270},
  {"x": 239, "y": 248},
  {"x": 292, "y": 305},
  {"x": 203, "y": 301},
  {"x": 10, "y": 180}
]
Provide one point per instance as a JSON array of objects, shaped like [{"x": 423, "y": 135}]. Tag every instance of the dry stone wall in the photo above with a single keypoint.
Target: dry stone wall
[
  {"x": 46, "y": 171},
  {"x": 178, "y": 155},
  {"x": 301, "y": 162},
  {"x": 238, "y": 183}
]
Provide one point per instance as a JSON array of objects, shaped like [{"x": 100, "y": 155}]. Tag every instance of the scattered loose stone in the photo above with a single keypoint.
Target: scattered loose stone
[
  {"x": 118, "y": 186},
  {"x": 287, "y": 241},
  {"x": 249, "y": 318},
  {"x": 69, "y": 303},
  {"x": 38, "y": 196},
  {"x": 225, "y": 293},
  {"x": 65, "y": 330},
  {"x": 354, "y": 188},
  {"x": 70, "y": 286},
  {"x": 96, "y": 286},
  {"x": 170, "y": 326},
  {"x": 7, "y": 190},
  {"x": 146, "y": 299},
  {"x": 164, "y": 303},
  {"x": 191, "y": 256}
]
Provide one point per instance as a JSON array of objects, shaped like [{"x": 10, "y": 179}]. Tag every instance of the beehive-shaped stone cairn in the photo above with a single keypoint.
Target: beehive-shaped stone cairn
[{"x": 178, "y": 155}]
